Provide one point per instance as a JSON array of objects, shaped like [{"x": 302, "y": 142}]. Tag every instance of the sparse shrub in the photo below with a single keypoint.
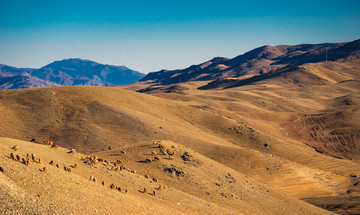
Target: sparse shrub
[
  {"x": 2, "y": 169},
  {"x": 161, "y": 146},
  {"x": 16, "y": 147},
  {"x": 160, "y": 188},
  {"x": 175, "y": 171},
  {"x": 155, "y": 180},
  {"x": 145, "y": 190},
  {"x": 112, "y": 186},
  {"x": 123, "y": 152},
  {"x": 39, "y": 160},
  {"x": 153, "y": 153},
  {"x": 154, "y": 193},
  {"x": 75, "y": 165},
  {"x": 18, "y": 158},
  {"x": 126, "y": 191},
  {"x": 33, "y": 140},
  {"x": 103, "y": 183},
  {"x": 44, "y": 169},
  {"x": 156, "y": 158},
  {"x": 148, "y": 160},
  {"x": 55, "y": 146},
  {"x": 51, "y": 162},
  {"x": 147, "y": 176}
]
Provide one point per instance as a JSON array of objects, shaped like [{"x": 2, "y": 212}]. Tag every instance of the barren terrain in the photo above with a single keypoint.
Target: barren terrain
[{"x": 271, "y": 146}]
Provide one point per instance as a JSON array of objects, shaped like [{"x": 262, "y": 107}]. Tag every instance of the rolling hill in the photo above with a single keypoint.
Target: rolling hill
[
  {"x": 282, "y": 142},
  {"x": 261, "y": 131}
]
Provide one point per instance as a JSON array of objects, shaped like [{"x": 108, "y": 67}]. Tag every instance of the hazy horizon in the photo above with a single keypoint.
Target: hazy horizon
[{"x": 149, "y": 36}]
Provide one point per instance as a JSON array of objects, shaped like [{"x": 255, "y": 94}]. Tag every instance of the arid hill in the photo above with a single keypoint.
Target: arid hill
[
  {"x": 62, "y": 181},
  {"x": 314, "y": 105},
  {"x": 275, "y": 133},
  {"x": 259, "y": 61},
  {"x": 279, "y": 129}
]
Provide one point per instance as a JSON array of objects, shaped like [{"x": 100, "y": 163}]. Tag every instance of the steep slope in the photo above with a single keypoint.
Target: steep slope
[
  {"x": 76, "y": 71},
  {"x": 210, "y": 188},
  {"x": 313, "y": 105},
  {"x": 247, "y": 129},
  {"x": 258, "y": 61}
]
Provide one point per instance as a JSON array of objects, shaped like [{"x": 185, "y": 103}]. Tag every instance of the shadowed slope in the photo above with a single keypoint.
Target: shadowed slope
[{"x": 258, "y": 61}]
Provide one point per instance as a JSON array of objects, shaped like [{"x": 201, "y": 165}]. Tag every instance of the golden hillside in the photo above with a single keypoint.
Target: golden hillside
[{"x": 279, "y": 141}]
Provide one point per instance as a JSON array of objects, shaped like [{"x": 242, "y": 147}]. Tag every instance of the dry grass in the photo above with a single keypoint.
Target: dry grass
[{"x": 275, "y": 131}]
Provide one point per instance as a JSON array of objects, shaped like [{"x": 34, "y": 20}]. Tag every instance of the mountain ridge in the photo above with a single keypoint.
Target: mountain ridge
[
  {"x": 258, "y": 61},
  {"x": 72, "y": 71}
]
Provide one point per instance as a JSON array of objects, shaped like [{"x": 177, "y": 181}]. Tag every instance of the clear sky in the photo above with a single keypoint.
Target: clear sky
[{"x": 151, "y": 35}]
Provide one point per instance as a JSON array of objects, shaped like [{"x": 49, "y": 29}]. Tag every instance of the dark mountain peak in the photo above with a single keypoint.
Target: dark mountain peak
[
  {"x": 80, "y": 64},
  {"x": 266, "y": 52},
  {"x": 74, "y": 71},
  {"x": 71, "y": 63},
  {"x": 219, "y": 59}
]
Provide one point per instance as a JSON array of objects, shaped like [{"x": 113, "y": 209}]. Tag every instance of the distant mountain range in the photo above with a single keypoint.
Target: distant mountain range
[
  {"x": 262, "y": 60},
  {"x": 67, "y": 72}
]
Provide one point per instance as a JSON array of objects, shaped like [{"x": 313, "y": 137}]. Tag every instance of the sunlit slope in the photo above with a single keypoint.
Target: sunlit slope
[
  {"x": 304, "y": 137},
  {"x": 261, "y": 130},
  {"x": 196, "y": 185}
]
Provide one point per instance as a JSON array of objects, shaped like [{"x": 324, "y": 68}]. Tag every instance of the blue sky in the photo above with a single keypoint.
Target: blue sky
[{"x": 151, "y": 35}]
